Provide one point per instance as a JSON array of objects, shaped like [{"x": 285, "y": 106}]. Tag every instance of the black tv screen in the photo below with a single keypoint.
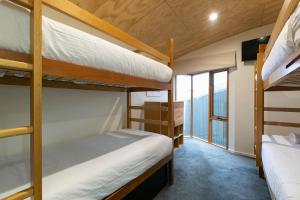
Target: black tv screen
[{"x": 250, "y": 48}]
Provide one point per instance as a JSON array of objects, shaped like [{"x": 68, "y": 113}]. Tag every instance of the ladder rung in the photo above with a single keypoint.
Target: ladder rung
[
  {"x": 15, "y": 65},
  {"x": 24, "y": 3},
  {"x": 10, "y": 132},
  {"x": 21, "y": 195}
]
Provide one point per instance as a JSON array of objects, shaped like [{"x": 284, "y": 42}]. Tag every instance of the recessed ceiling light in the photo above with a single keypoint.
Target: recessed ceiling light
[{"x": 213, "y": 16}]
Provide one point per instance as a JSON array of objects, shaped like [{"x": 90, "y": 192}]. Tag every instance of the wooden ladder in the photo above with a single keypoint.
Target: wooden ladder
[{"x": 35, "y": 128}]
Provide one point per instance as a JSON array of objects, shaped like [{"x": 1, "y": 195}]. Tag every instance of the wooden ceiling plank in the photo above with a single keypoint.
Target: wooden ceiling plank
[{"x": 185, "y": 20}]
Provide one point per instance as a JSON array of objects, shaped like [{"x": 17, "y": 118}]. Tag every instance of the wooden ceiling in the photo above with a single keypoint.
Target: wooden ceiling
[{"x": 154, "y": 21}]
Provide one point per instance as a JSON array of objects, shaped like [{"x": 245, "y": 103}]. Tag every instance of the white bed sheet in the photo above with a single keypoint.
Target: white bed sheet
[
  {"x": 99, "y": 177},
  {"x": 286, "y": 44},
  {"x": 281, "y": 161},
  {"x": 64, "y": 43}
]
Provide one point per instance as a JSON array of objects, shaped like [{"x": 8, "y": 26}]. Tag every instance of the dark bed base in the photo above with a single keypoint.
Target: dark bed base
[
  {"x": 151, "y": 187},
  {"x": 148, "y": 184}
]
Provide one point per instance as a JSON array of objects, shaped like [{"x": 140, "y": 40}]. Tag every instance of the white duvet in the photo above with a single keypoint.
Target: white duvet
[
  {"x": 286, "y": 44},
  {"x": 96, "y": 178},
  {"x": 281, "y": 160},
  {"x": 64, "y": 43}
]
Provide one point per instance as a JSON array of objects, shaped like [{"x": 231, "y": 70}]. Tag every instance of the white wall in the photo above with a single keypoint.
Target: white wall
[
  {"x": 241, "y": 84},
  {"x": 67, "y": 114}
]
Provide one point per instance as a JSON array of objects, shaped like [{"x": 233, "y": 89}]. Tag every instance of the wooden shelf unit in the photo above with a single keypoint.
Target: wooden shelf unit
[{"x": 152, "y": 114}]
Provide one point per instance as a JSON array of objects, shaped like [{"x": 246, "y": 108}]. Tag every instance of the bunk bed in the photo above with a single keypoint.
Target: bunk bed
[
  {"x": 51, "y": 54},
  {"x": 278, "y": 69}
]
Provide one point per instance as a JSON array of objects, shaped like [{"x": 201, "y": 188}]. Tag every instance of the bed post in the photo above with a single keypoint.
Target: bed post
[
  {"x": 170, "y": 109},
  {"x": 36, "y": 99},
  {"x": 128, "y": 109},
  {"x": 259, "y": 108}
]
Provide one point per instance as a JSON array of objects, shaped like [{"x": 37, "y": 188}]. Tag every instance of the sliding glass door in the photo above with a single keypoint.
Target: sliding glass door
[
  {"x": 206, "y": 105},
  {"x": 219, "y": 115},
  {"x": 200, "y": 105},
  {"x": 183, "y": 93}
]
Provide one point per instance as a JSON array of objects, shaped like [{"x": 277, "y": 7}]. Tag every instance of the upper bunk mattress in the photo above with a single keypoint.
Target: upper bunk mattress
[
  {"x": 281, "y": 161},
  {"x": 64, "y": 43},
  {"x": 88, "y": 168},
  {"x": 286, "y": 44}
]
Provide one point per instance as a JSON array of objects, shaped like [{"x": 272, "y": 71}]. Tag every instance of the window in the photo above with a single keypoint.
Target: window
[{"x": 205, "y": 96}]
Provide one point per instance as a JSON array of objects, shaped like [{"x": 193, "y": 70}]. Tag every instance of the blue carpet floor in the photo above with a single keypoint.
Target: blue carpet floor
[{"x": 206, "y": 172}]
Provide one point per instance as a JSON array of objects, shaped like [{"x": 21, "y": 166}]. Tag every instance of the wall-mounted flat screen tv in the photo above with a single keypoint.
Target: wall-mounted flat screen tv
[{"x": 250, "y": 48}]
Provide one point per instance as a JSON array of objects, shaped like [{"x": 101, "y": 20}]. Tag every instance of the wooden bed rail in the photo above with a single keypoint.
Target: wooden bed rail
[
  {"x": 259, "y": 105},
  {"x": 11, "y": 132},
  {"x": 35, "y": 128},
  {"x": 284, "y": 124},
  {"x": 15, "y": 65},
  {"x": 287, "y": 9},
  {"x": 281, "y": 109},
  {"x": 24, "y": 194}
]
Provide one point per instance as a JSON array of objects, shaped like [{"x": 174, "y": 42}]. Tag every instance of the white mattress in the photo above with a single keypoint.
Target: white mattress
[
  {"x": 281, "y": 161},
  {"x": 64, "y": 43},
  {"x": 98, "y": 177},
  {"x": 286, "y": 44}
]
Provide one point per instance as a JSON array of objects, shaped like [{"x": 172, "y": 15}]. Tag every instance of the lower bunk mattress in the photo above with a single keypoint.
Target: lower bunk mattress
[
  {"x": 281, "y": 161},
  {"x": 88, "y": 168}
]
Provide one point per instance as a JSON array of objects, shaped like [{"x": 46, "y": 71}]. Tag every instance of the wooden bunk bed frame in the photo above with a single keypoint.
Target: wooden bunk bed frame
[
  {"x": 112, "y": 81},
  {"x": 284, "y": 78}
]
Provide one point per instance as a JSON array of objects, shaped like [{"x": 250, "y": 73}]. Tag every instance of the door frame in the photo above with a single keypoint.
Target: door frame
[
  {"x": 210, "y": 116},
  {"x": 211, "y": 108}
]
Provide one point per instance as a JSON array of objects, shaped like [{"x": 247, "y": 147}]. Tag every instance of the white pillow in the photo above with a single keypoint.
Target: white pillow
[{"x": 294, "y": 138}]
